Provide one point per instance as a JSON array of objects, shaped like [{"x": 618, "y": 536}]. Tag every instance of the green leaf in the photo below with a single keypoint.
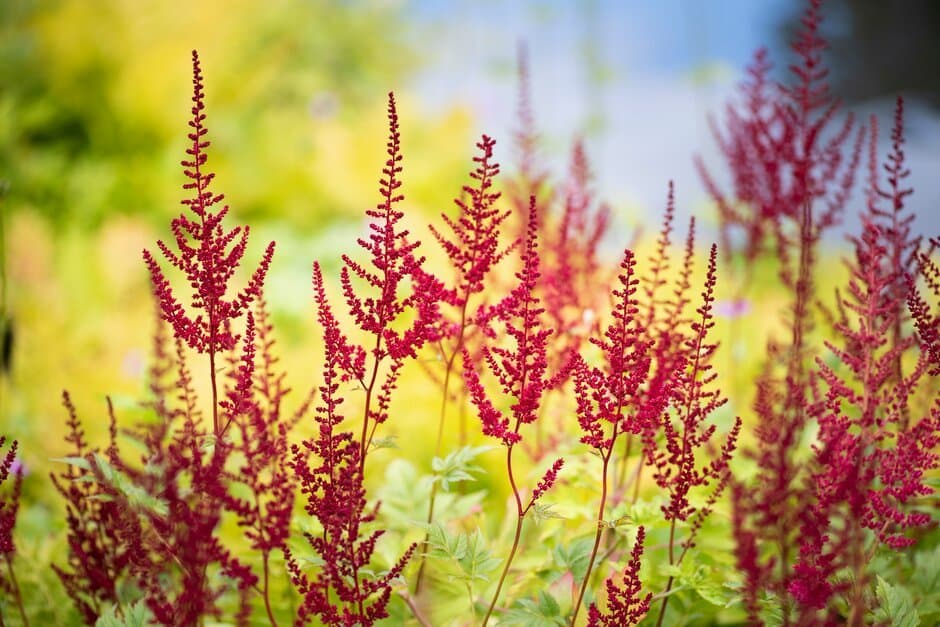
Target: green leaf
[
  {"x": 389, "y": 441},
  {"x": 575, "y": 556},
  {"x": 136, "y": 496},
  {"x": 78, "y": 462},
  {"x": 137, "y": 615},
  {"x": 528, "y": 612},
  {"x": 896, "y": 605},
  {"x": 458, "y": 466},
  {"x": 543, "y": 511},
  {"x": 548, "y": 606}
]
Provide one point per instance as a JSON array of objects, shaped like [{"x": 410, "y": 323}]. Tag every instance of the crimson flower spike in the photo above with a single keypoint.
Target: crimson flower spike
[
  {"x": 624, "y": 604},
  {"x": 521, "y": 372},
  {"x": 609, "y": 398},
  {"x": 207, "y": 254},
  {"x": 328, "y": 469},
  {"x": 393, "y": 264},
  {"x": 696, "y": 399}
]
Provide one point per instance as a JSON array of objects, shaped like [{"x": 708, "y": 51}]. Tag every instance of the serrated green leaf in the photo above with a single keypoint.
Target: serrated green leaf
[
  {"x": 574, "y": 557},
  {"x": 528, "y": 612},
  {"x": 78, "y": 462},
  {"x": 895, "y": 605},
  {"x": 135, "y": 495},
  {"x": 548, "y": 606},
  {"x": 137, "y": 615},
  {"x": 458, "y": 466},
  {"x": 543, "y": 511}
]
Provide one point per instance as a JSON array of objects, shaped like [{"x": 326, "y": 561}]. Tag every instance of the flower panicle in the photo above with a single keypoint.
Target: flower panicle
[
  {"x": 474, "y": 247},
  {"x": 207, "y": 254},
  {"x": 625, "y": 606},
  {"x": 522, "y": 369}
]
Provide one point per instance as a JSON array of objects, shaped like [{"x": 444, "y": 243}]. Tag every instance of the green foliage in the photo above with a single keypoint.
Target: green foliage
[
  {"x": 466, "y": 550},
  {"x": 458, "y": 466},
  {"x": 895, "y": 605},
  {"x": 541, "y": 612},
  {"x": 137, "y": 615}
]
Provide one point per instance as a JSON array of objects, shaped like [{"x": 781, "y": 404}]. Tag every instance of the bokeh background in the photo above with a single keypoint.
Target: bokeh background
[{"x": 94, "y": 100}]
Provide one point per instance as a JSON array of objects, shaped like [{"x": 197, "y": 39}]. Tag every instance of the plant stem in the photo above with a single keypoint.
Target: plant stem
[
  {"x": 215, "y": 393},
  {"x": 672, "y": 539},
  {"x": 17, "y": 594},
  {"x": 364, "y": 439},
  {"x": 600, "y": 527},
  {"x": 520, "y": 516},
  {"x": 440, "y": 438},
  {"x": 266, "y": 589},
  {"x": 414, "y": 609}
]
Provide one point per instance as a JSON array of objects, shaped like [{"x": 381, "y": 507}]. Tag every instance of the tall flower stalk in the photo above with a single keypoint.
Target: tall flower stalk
[
  {"x": 472, "y": 249},
  {"x": 608, "y": 397},
  {"x": 521, "y": 370},
  {"x": 393, "y": 267},
  {"x": 208, "y": 255}
]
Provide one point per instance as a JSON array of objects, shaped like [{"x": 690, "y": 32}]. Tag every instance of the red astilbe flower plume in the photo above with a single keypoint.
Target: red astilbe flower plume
[
  {"x": 394, "y": 268},
  {"x": 341, "y": 593},
  {"x": 785, "y": 150},
  {"x": 927, "y": 318},
  {"x": 254, "y": 405},
  {"x": 570, "y": 261},
  {"x": 474, "y": 249},
  {"x": 9, "y": 507},
  {"x": 208, "y": 255},
  {"x": 521, "y": 371},
  {"x": 9, "y": 504},
  {"x": 696, "y": 399},
  {"x": 570, "y": 257},
  {"x": 612, "y": 396},
  {"x": 163, "y": 516},
  {"x": 624, "y": 604},
  {"x": 95, "y": 565},
  {"x": 686, "y": 430},
  {"x": 530, "y": 178},
  {"x": 797, "y": 172},
  {"x": 871, "y": 459}
]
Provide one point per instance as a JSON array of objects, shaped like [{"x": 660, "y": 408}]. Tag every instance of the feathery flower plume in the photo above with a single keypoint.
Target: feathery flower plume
[
  {"x": 473, "y": 250},
  {"x": 521, "y": 371},
  {"x": 393, "y": 265},
  {"x": 866, "y": 431},
  {"x": 624, "y": 605},
  {"x": 342, "y": 592},
  {"x": 9, "y": 507},
  {"x": 610, "y": 397},
  {"x": 208, "y": 255}
]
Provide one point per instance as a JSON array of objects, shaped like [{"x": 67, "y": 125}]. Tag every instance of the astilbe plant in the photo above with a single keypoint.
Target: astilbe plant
[
  {"x": 95, "y": 565},
  {"x": 393, "y": 268},
  {"x": 255, "y": 401},
  {"x": 687, "y": 433},
  {"x": 793, "y": 165},
  {"x": 10, "y": 469},
  {"x": 341, "y": 592},
  {"x": 208, "y": 255},
  {"x": 157, "y": 525},
  {"x": 875, "y": 445},
  {"x": 927, "y": 319},
  {"x": 625, "y": 605},
  {"x": 521, "y": 368},
  {"x": 607, "y": 396},
  {"x": 473, "y": 248}
]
